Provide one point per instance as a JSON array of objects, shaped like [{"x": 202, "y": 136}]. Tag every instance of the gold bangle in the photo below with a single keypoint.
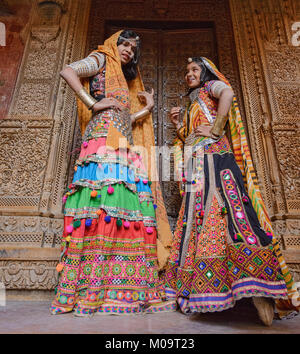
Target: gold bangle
[
  {"x": 140, "y": 114},
  {"x": 219, "y": 125},
  {"x": 87, "y": 99}
]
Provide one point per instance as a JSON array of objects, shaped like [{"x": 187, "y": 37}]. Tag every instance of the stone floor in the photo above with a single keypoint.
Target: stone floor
[{"x": 34, "y": 317}]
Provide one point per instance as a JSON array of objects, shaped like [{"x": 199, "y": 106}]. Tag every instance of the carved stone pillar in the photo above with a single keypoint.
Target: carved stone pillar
[
  {"x": 36, "y": 141},
  {"x": 270, "y": 76}
]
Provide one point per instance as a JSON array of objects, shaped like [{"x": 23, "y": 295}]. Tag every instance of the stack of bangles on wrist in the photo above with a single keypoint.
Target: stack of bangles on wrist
[
  {"x": 86, "y": 98},
  {"x": 140, "y": 114},
  {"x": 219, "y": 125}
]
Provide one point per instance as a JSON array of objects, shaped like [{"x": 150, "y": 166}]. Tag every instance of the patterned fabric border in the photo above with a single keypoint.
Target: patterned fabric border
[
  {"x": 145, "y": 197},
  {"x": 242, "y": 288},
  {"x": 90, "y": 212},
  {"x": 103, "y": 183},
  {"x": 113, "y": 159},
  {"x": 220, "y": 147},
  {"x": 239, "y": 216}
]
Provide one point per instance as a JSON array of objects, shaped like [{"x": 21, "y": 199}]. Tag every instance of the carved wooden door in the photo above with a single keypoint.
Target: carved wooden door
[{"x": 164, "y": 54}]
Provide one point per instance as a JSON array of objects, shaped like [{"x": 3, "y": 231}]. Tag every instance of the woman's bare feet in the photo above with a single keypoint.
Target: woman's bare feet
[{"x": 265, "y": 309}]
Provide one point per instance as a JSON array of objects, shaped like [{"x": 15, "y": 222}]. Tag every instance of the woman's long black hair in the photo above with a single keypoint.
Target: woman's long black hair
[
  {"x": 130, "y": 69},
  {"x": 206, "y": 74}
]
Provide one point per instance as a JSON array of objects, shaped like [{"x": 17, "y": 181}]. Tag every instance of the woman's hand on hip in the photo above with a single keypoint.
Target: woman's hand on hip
[
  {"x": 107, "y": 102},
  {"x": 203, "y": 130}
]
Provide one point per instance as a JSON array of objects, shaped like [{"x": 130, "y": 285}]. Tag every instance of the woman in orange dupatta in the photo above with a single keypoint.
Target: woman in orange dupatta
[
  {"x": 224, "y": 248},
  {"x": 116, "y": 233}
]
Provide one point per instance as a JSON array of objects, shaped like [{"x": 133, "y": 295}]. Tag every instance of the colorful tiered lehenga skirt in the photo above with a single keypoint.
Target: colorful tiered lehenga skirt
[
  {"x": 109, "y": 261},
  {"x": 220, "y": 253}
]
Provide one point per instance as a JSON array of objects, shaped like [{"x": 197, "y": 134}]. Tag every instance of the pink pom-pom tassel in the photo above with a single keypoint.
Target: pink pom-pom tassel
[
  {"x": 126, "y": 224},
  {"x": 69, "y": 229},
  {"x": 149, "y": 230},
  {"x": 110, "y": 190}
]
